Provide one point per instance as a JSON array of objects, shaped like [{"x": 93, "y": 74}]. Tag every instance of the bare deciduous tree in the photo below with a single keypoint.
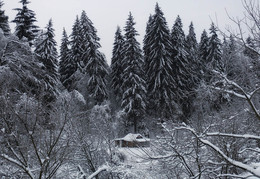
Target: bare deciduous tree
[{"x": 36, "y": 148}]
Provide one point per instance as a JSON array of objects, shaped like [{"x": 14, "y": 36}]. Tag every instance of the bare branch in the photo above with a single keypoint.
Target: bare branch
[{"x": 249, "y": 24}]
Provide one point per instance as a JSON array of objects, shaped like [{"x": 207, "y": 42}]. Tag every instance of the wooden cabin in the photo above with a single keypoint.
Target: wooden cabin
[{"x": 132, "y": 140}]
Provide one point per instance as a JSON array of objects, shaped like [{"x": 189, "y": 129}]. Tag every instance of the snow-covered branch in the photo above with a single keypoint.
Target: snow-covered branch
[
  {"x": 243, "y": 94},
  {"x": 159, "y": 157},
  {"x": 98, "y": 171},
  {"x": 230, "y": 175},
  {"x": 254, "y": 92},
  {"x": 229, "y": 92},
  {"x": 17, "y": 163},
  {"x": 253, "y": 170},
  {"x": 245, "y": 136}
]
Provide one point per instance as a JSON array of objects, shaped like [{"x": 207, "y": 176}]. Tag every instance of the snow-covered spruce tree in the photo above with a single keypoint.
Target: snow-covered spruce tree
[
  {"x": 47, "y": 50},
  {"x": 214, "y": 50},
  {"x": 86, "y": 27},
  {"x": 146, "y": 43},
  {"x": 203, "y": 46},
  {"x": 116, "y": 64},
  {"x": 159, "y": 72},
  {"x": 67, "y": 66},
  {"x": 203, "y": 53},
  {"x": 20, "y": 71},
  {"x": 47, "y": 53},
  {"x": 64, "y": 56},
  {"x": 93, "y": 60},
  {"x": 4, "y": 25},
  {"x": 76, "y": 40},
  {"x": 25, "y": 20},
  {"x": 192, "y": 50},
  {"x": 133, "y": 85},
  {"x": 182, "y": 70},
  {"x": 191, "y": 41},
  {"x": 194, "y": 67}
]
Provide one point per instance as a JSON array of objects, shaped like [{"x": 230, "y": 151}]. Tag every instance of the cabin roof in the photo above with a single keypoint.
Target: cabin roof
[{"x": 134, "y": 137}]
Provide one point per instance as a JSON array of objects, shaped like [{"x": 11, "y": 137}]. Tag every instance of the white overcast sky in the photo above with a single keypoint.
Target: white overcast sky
[{"x": 108, "y": 14}]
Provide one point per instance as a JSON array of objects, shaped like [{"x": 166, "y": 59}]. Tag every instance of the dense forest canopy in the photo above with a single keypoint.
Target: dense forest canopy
[{"x": 195, "y": 102}]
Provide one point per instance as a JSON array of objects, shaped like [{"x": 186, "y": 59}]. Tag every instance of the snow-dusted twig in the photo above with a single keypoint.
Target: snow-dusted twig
[
  {"x": 243, "y": 94},
  {"x": 257, "y": 150}
]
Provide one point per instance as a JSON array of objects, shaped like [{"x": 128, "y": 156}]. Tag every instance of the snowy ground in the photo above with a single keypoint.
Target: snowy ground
[{"x": 136, "y": 163}]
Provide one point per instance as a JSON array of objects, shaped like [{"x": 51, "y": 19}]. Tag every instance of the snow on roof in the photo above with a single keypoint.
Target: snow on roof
[{"x": 134, "y": 137}]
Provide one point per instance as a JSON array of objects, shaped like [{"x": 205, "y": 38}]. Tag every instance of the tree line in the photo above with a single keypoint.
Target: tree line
[
  {"x": 61, "y": 112},
  {"x": 158, "y": 80}
]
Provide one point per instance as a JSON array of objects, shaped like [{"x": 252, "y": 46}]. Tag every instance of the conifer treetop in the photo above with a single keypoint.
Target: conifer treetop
[
  {"x": 47, "y": 50},
  {"x": 191, "y": 37},
  {"x": 4, "y": 25},
  {"x": 25, "y": 20},
  {"x": 24, "y": 2}
]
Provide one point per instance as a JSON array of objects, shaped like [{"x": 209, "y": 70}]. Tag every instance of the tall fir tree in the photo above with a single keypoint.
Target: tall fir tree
[
  {"x": 181, "y": 66},
  {"x": 87, "y": 25},
  {"x": 194, "y": 68},
  {"x": 86, "y": 31},
  {"x": 214, "y": 50},
  {"x": 93, "y": 60},
  {"x": 133, "y": 85},
  {"x": 192, "y": 50},
  {"x": 215, "y": 62},
  {"x": 146, "y": 43},
  {"x": 75, "y": 53},
  {"x": 25, "y": 20},
  {"x": 47, "y": 51},
  {"x": 203, "y": 54},
  {"x": 116, "y": 64},
  {"x": 192, "y": 44},
  {"x": 203, "y": 46},
  {"x": 4, "y": 25},
  {"x": 160, "y": 82},
  {"x": 67, "y": 67}
]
